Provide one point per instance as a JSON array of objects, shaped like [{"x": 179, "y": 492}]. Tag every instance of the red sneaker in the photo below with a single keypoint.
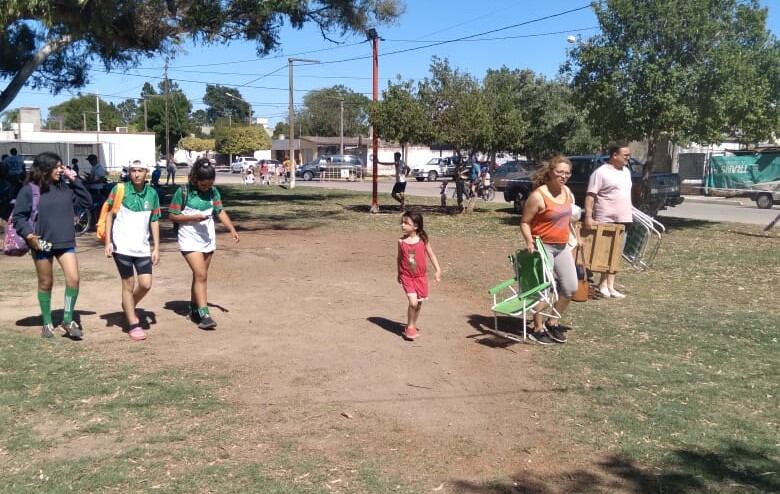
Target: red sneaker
[{"x": 410, "y": 333}]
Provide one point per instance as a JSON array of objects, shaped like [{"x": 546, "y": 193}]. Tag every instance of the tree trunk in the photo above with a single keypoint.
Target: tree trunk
[
  {"x": 24, "y": 73},
  {"x": 644, "y": 196}
]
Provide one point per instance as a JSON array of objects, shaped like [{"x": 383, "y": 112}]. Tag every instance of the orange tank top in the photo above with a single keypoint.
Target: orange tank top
[{"x": 552, "y": 223}]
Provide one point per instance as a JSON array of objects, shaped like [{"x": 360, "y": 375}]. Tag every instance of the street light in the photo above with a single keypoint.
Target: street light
[
  {"x": 291, "y": 143},
  {"x": 241, "y": 100}
]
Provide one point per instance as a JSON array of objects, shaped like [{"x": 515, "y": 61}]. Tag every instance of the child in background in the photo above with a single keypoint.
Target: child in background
[
  {"x": 193, "y": 209},
  {"x": 249, "y": 178},
  {"x": 127, "y": 241},
  {"x": 413, "y": 247},
  {"x": 264, "y": 178}
]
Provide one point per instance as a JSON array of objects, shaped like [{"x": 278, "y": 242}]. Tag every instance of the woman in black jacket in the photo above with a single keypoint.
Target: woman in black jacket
[{"x": 50, "y": 233}]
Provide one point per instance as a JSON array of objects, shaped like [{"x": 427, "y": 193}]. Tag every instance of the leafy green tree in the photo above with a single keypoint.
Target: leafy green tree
[
  {"x": 129, "y": 112},
  {"x": 9, "y": 117},
  {"x": 240, "y": 139},
  {"x": 321, "y": 112},
  {"x": 52, "y": 44},
  {"x": 219, "y": 104},
  {"x": 400, "y": 116},
  {"x": 508, "y": 120},
  {"x": 179, "y": 108},
  {"x": 75, "y": 111},
  {"x": 281, "y": 128},
  {"x": 695, "y": 70},
  {"x": 191, "y": 143}
]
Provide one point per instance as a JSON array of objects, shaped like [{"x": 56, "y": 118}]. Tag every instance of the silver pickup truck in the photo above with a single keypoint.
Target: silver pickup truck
[{"x": 435, "y": 168}]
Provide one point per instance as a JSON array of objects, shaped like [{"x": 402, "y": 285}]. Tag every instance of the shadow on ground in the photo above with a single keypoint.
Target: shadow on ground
[
  {"x": 117, "y": 319},
  {"x": 735, "y": 468},
  {"x": 395, "y": 327},
  {"x": 182, "y": 307},
  {"x": 56, "y": 317},
  {"x": 393, "y": 209}
]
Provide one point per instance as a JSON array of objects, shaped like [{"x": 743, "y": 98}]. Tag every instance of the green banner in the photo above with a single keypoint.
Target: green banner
[{"x": 742, "y": 172}]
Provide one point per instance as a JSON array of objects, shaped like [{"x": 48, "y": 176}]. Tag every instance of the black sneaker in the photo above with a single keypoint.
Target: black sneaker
[
  {"x": 47, "y": 331},
  {"x": 195, "y": 316},
  {"x": 540, "y": 337},
  {"x": 206, "y": 322},
  {"x": 556, "y": 333},
  {"x": 73, "y": 329}
]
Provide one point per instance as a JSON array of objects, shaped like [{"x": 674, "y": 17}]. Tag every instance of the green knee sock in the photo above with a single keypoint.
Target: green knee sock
[
  {"x": 44, "y": 300},
  {"x": 71, "y": 294},
  {"x": 203, "y": 311}
]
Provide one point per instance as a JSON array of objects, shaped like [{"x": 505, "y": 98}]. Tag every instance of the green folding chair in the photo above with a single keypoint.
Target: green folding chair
[{"x": 532, "y": 286}]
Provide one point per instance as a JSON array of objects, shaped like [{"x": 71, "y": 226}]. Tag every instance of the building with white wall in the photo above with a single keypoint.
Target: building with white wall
[{"x": 114, "y": 149}]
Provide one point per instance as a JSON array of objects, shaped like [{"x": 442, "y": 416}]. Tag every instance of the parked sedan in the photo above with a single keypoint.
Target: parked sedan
[
  {"x": 241, "y": 164},
  {"x": 335, "y": 166},
  {"x": 512, "y": 170}
]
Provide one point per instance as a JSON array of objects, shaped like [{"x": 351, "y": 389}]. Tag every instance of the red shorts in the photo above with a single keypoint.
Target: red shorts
[{"x": 416, "y": 284}]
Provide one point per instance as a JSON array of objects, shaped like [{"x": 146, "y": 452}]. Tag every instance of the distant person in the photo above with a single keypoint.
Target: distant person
[
  {"x": 156, "y": 174},
  {"x": 14, "y": 165},
  {"x": 249, "y": 177},
  {"x": 60, "y": 191},
  {"x": 399, "y": 188},
  {"x": 265, "y": 178},
  {"x": 193, "y": 208},
  {"x": 170, "y": 168},
  {"x": 609, "y": 201},
  {"x": 413, "y": 247},
  {"x": 96, "y": 177},
  {"x": 133, "y": 240},
  {"x": 74, "y": 165}
]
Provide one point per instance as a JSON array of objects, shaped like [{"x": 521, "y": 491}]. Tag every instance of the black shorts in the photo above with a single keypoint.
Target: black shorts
[
  {"x": 129, "y": 265},
  {"x": 399, "y": 188}
]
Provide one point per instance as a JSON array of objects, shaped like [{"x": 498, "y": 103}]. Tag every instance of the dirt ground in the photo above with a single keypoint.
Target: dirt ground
[{"x": 310, "y": 334}]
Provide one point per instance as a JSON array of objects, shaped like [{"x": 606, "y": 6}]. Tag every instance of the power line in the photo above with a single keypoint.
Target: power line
[
  {"x": 462, "y": 38},
  {"x": 536, "y": 35}
]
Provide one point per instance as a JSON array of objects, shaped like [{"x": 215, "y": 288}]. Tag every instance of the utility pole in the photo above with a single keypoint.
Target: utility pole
[
  {"x": 372, "y": 35},
  {"x": 167, "y": 123},
  {"x": 291, "y": 116},
  {"x": 97, "y": 110},
  {"x": 84, "y": 117},
  {"x": 146, "y": 117},
  {"x": 341, "y": 125}
]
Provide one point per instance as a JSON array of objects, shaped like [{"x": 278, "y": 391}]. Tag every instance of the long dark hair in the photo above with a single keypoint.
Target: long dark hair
[
  {"x": 42, "y": 166},
  {"x": 417, "y": 220},
  {"x": 202, "y": 169}
]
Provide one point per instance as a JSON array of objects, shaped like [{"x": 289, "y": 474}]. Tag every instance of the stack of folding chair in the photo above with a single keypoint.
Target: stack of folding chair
[
  {"x": 531, "y": 290},
  {"x": 643, "y": 240}
]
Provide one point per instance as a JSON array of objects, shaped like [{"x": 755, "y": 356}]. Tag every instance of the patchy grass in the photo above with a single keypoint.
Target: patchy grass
[{"x": 73, "y": 421}]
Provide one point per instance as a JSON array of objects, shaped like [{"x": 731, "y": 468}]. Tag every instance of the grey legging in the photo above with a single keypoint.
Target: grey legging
[{"x": 563, "y": 266}]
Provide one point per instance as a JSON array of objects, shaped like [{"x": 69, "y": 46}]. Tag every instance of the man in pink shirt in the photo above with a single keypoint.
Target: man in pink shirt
[{"x": 609, "y": 201}]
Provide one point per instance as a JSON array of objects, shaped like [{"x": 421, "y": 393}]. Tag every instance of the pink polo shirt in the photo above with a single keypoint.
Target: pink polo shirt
[{"x": 612, "y": 188}]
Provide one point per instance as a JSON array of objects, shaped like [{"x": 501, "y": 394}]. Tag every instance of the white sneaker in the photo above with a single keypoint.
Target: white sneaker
[
  {"x": 616, "y": 294},
  {"x": 604, "y": 291}
]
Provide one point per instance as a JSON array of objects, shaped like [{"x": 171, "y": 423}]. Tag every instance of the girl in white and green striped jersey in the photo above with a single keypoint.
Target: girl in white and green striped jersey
[
  {"x": 193, "y": 208},
  {"x": 133, "y": 240}
]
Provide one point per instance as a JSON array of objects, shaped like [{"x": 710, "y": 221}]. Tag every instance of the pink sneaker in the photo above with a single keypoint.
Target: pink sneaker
[
  {"x": 410, "y": 333},
  {"x": 137, "y": 333}
]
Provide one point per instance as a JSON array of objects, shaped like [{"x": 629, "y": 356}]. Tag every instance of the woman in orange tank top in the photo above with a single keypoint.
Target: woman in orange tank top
[{"x": 547, "y": 214}]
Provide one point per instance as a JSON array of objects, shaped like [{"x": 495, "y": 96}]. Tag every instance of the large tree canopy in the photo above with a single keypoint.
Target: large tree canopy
[
  {"x": 52, "y": 44},
  {"x": 80, "y": 113},
  {"x": 222, "y": 101},
  {"x": 321, "y": 112},
  {"x": 697, "y": 70}
]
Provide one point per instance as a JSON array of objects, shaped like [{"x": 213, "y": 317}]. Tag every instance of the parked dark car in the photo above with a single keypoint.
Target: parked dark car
[
  {"x": 512, "y": 170},
  {"x": 332, "y": 167},
  {"x": 664, "y": 186}
]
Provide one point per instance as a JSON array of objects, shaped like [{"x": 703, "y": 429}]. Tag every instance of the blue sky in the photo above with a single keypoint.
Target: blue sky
[{"x": 538, "y": 45}]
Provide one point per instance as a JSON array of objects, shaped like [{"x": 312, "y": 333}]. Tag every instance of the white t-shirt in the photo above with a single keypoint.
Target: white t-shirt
[
  {"x": 612, "y": 188},
  {"x": 400, "y": 176}
]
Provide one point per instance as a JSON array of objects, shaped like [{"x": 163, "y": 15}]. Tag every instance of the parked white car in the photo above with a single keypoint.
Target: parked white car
[{"x": 241, "y": 163}]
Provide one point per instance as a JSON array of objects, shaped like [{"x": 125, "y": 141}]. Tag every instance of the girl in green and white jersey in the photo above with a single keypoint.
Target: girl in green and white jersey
[{"x": 193, "y": 208}]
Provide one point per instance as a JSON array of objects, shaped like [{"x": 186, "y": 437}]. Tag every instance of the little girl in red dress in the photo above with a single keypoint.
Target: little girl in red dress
[{"x": 413, "y": 247}]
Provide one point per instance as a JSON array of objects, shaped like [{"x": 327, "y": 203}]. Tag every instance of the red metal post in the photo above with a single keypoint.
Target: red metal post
[{"x": 375, "y": 137}]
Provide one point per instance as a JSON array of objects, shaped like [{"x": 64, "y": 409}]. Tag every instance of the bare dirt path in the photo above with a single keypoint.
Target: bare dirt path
[{"x": 309, "y": 333}]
